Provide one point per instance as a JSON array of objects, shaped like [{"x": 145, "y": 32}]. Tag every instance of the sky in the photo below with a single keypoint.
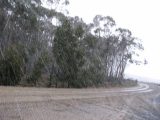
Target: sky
[{"x": 142, "y": 17}]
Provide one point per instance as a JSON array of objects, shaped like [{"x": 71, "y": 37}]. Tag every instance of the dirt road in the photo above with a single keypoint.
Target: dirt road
[{"x": 136, "y": 103}]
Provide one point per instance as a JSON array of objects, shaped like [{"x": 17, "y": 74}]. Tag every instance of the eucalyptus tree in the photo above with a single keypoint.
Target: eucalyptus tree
[
  {"x": 114, "y": 47},
  {"x": 26, "y": 25},
  {"x": 68, "y": 55},
  {"x": 39, "y": 43}
]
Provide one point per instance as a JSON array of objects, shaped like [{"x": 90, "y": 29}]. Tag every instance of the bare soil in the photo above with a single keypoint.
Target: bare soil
[{"x": 136, "y": 103}]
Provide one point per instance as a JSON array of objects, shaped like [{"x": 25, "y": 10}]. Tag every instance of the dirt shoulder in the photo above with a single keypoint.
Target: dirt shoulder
[{"x": 136, "y": 103}]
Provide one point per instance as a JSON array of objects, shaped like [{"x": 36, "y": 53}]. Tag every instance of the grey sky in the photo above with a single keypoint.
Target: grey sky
[{"x": 142, "y": 17}]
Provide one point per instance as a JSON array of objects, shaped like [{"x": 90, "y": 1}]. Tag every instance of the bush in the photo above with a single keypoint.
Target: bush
[{"x": 11, "y": 67}]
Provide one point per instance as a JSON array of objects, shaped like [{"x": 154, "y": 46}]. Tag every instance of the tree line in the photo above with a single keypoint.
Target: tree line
[{"x": 40, "y": 46}]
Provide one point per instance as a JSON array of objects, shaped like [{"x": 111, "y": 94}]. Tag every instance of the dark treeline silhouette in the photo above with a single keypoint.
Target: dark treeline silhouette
[{"x": 36, "y": 50}]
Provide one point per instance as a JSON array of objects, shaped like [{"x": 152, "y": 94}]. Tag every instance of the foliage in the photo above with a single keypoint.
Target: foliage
[
  {"x": 39, "y": 44},
  {"x": 68, "y": 55},
  {"x": 10, "y": 69}
]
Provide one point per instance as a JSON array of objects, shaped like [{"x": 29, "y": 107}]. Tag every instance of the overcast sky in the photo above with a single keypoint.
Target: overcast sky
[{"x": 142, "y": 17}]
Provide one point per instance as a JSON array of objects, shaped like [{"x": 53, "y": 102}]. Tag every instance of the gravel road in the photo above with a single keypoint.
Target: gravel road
[{"x": 137, "y": 103}]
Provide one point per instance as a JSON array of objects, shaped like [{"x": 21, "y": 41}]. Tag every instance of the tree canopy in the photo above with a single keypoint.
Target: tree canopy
[{"x": 41, "y": 46}]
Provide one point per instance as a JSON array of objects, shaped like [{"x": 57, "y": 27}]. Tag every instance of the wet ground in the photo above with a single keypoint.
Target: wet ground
[{"x": 136, "y": 103}]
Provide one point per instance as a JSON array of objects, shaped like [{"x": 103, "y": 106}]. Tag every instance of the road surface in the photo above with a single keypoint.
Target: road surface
[{"x": 136, "y": 103}]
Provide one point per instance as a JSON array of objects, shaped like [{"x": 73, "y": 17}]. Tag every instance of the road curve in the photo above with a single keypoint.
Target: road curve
[
  {"x": 10, "y": 94},
  {"x": 136, "y": 103}
]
